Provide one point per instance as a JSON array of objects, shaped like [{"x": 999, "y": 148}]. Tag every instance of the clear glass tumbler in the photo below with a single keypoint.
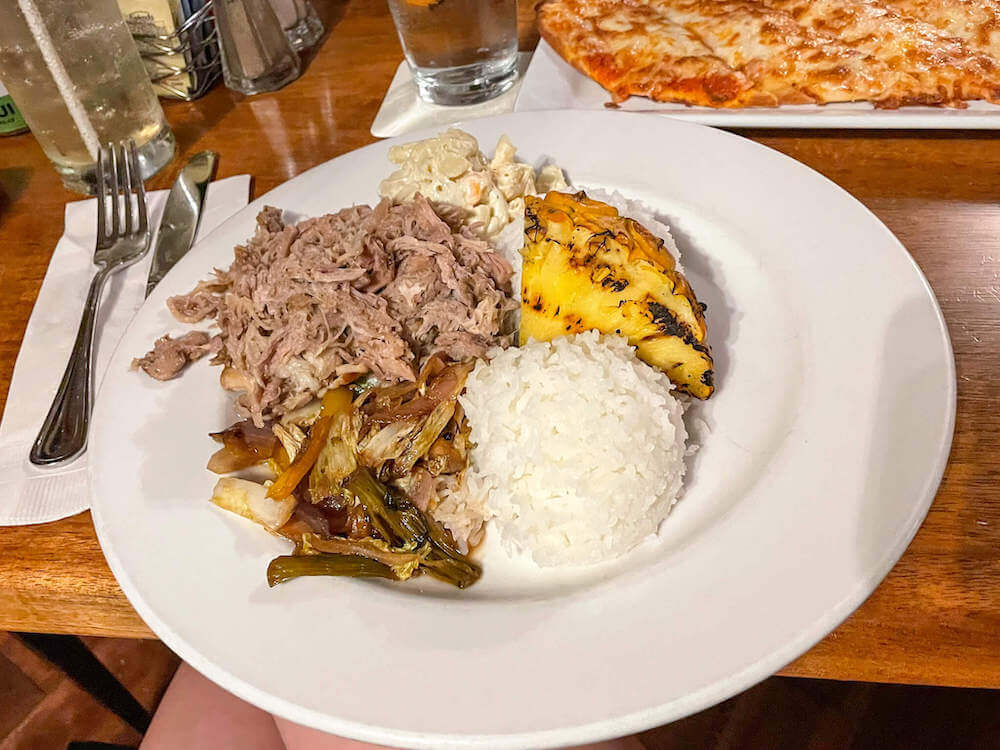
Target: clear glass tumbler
[
  {"x": 75, "y": 73},
  {"x": 460, "y": 51}
]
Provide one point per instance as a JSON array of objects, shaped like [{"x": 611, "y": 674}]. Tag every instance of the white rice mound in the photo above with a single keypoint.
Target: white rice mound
[
  {"x": 461, "y": 507},
  {"x": 579, "y": 447}
]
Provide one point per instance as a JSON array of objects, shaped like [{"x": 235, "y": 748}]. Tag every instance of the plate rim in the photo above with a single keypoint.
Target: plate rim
[{"x": 640, "y": 720}]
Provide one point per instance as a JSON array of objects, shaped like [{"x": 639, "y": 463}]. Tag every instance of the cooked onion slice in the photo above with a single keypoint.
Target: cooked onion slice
[
  {"x": 250, "y": 500},
  {"x": 388, "y": 443},
  {"x": 243, "y": 445}
]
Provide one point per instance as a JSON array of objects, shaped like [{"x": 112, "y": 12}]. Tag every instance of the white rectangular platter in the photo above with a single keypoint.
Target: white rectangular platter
[{"x": 552, "y": 83}]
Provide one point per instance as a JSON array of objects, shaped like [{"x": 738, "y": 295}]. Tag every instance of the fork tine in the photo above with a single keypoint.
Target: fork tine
[
  {"x": 102, "y": 197},
  {"x": 115, "y": 231},
  {"x": 126, "y": 187},
  {"x": 137, "y": 186}
]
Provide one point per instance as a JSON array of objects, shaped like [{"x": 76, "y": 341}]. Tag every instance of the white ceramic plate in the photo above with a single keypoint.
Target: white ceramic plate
[
  {"x": 829, "y": 433},
  {"x": 552, "y": 83}
]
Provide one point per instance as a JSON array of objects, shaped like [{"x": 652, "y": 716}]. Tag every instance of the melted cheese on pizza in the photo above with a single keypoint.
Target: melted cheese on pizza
[
  {"x": 975, "y": 22},
  {"x": 787, "y": 62},
  {"x": 929, "y": 67}
]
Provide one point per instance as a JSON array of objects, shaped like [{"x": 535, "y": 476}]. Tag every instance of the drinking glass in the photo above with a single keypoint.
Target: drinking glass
[
  {"x": 460, "y": 51},
  {"x": 76, "y": 75}
]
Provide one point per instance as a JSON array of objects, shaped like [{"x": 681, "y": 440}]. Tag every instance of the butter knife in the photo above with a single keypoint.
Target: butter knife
[{"x": 181, "y": 215}]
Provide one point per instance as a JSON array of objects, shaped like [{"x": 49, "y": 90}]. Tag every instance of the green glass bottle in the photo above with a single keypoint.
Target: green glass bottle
[{"x": 11, "y": 122}]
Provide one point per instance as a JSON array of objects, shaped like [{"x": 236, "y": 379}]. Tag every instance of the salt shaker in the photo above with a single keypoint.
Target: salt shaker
[{"x": 256, "y": 54}]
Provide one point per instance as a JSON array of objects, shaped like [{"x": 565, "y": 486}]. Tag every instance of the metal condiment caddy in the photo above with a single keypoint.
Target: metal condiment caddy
[{"x": 196, "y": 44}]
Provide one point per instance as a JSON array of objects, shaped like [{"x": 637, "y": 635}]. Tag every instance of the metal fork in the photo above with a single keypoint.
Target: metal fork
[{"x": 64, "y": 433}]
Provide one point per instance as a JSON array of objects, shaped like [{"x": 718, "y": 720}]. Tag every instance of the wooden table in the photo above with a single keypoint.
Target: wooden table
[{"x": 936, "y": 618}]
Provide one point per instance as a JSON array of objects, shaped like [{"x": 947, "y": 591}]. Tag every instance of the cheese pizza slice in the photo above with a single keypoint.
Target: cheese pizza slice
[
  {"x": 736, "y": 53},
  {"x": 717, "y": 53},
  {"x": 786, "y": 62},
  {"x": 928, "y": 66},
  {"x": 633, "y": 49}
]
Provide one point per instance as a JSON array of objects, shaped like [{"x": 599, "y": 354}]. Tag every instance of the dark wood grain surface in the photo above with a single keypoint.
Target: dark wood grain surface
[
  {"x": 935, "y": 619},
  {"x": 43, "y": 708}
]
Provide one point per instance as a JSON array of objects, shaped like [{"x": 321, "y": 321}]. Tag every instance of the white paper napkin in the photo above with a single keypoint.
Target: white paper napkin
[
  {"x": 29, "y": 494},
  {"x": 403, "y": 111}
]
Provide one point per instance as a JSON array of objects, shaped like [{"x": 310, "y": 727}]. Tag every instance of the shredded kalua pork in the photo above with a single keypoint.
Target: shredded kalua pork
[
  {"x": 169, "y": 355},
  {"x": 314, "y": 304}
]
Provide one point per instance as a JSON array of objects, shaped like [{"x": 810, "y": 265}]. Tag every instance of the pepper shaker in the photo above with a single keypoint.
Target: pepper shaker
[{"x": 256, "y": 54}]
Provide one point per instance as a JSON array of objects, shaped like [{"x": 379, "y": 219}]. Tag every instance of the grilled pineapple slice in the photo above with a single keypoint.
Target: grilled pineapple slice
[{"x": 587, "y": 267}]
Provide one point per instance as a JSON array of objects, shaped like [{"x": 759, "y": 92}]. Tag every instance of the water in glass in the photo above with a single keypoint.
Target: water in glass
[
  {"x": 75, "y": 73},
  {"x": 460, "y": 51}
]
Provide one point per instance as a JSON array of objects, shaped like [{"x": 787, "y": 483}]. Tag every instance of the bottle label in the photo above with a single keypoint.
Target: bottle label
[{"x": 10, "y": 118}]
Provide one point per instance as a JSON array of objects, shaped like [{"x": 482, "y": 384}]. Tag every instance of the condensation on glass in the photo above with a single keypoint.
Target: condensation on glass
[{"x": 75, "y": 73}]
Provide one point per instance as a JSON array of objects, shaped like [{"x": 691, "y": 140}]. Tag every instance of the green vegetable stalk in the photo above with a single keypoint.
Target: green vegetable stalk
[
  {"x": 397, "y": 520},
  {"x": 410, "y": 542},
  {"x": 287, "y": 567}
]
